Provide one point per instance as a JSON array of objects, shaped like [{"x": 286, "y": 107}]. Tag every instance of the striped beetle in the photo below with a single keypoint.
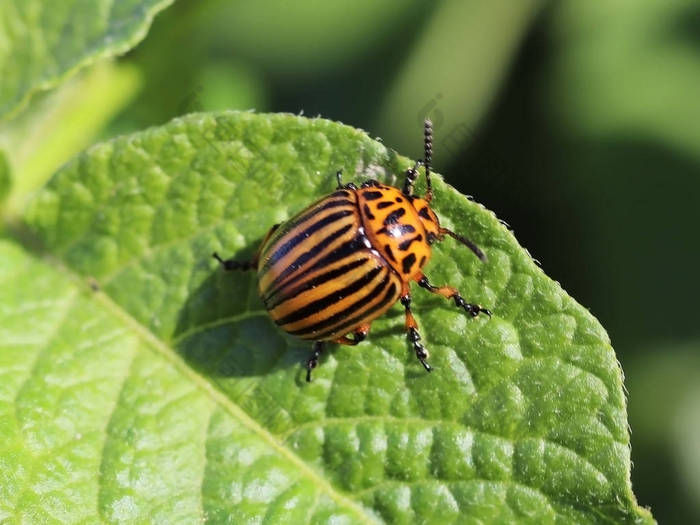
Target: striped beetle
[{"x": 346, "y": 259}]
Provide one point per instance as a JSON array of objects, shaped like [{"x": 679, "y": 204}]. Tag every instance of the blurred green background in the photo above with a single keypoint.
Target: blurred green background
[{"x": 577, "y": 122}]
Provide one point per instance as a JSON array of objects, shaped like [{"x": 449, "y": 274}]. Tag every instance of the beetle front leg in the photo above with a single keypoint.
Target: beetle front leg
[
  {"x": 413, "y": 335},
  {"x": 341, "y": 186},
  {"x": 410, "y": 176},
  {"x": 449, "y": 292}
]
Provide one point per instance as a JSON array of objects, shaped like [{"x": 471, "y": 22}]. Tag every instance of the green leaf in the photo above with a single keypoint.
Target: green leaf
[
  {"x": 55, "y": 127},
  {"x": 5, "y": 178},
  {"x": 141, "y": 383},
  {"x": 45, "y": 42}
]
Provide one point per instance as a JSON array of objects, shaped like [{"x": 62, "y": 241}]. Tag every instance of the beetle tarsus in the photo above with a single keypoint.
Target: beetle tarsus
[
  {"x": 472, "y": 309},
  {"x": 413, "y": 335},
  {"x": 230, "y": 265},
  {"x": 341, "y": 186},
  {"x": 313, "y": 360},
  {"x": 451, "y": 293}
]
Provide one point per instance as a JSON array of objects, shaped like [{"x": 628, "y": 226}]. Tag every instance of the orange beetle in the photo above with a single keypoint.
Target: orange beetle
[{"x": 346, "y": 259}]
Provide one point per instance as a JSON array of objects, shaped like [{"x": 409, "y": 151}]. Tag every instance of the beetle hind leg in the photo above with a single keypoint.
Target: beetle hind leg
[
  {"x": 448, "y": 292},
  {"x": 230, "y": 265},
  {"x": 413, "y": 335}
]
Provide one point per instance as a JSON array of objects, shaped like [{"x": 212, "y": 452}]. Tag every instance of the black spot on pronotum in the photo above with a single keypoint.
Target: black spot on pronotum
[
  {"x": 384, "y": 204},
  {"x": 408, "y": 262},
  {"x": 372, "y": 195},
  {"x": 389, "y": 252},
  {"x": 405, "y": 244},
  {"x": 397, "y": 231},
  {"x": 399, "y": 199},
  {"x": 422, "y": 261},
  {"x": 368, "y": 212},
  {"x": 423, "y": 212},
  {"x": 394, "y": 216}
]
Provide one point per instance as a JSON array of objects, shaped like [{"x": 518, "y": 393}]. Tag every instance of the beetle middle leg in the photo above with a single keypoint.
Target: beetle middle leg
[
  {"x": 359, "y": 335},
  {"x": 448, "y": 292},
  {"x": 313, "y": 360},
  {"x": 413, "y": 335}
]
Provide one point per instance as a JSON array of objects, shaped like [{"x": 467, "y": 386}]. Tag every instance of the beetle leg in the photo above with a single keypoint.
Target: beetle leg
[
  {"x": 231, "y": 264},
  {"x": 341, "y": 186},
  {"x": 448, "y": 292},
  {"x": 359, "y": 335},
  {"x": 413, "y": 335},
  {"x": 313, "y": 360},
  {"x": 411, "y": 175}
]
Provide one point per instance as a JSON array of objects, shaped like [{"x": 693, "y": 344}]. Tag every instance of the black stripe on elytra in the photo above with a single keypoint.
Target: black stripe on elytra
[
  {"x": 327, "y": 206},
  {"x": 388, "y": 297},
  {"x": 342, "y": 251},
  {"x": 384, "y": 204},
  {"x": 397, "y": 231},
  {"x": 389, "y": 252},
  {"x": 294, "y": 241},
  {"x": 305, "y": 257},
  {"x": 316, "y": 281},
  {"x": 405, "y": 244},
  {"x": 319, "y": 305},
  {"x": 368, "y": 212},
  {"x": 407, "y": 262},
  {"x": 423, "y": 212},
  {"x": 394, "y": 216},
  {"x": 343, "y": 314},
  {"x": 296, "y": 221},
  {"x": 372, "y": 195}
]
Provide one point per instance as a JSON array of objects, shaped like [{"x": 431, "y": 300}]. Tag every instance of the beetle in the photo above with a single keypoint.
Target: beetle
[{"x": 336, "y": 266}]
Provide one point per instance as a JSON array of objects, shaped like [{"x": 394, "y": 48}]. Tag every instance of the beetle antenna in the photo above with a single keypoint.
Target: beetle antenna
[
  {"x": 469, "y": 244},
  {"x": 428, "y": 157}
]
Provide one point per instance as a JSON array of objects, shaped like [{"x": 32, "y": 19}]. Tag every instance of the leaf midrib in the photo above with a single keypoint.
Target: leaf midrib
[{"x": 161, "y": 348}]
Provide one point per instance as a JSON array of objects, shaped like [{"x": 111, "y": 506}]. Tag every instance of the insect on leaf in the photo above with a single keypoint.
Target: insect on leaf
[{"x": 163, "y": 392}]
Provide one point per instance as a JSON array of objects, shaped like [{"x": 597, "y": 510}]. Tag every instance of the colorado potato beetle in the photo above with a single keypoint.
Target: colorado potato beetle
[{"x": 342, "y": 262}]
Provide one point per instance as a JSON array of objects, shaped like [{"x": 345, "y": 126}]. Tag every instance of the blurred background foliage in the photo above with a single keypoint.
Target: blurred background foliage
[{"x": 577, "y": 122}]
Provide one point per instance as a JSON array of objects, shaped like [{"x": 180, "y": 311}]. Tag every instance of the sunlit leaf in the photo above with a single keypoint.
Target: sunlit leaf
[{"x": 140, "y": 383}]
